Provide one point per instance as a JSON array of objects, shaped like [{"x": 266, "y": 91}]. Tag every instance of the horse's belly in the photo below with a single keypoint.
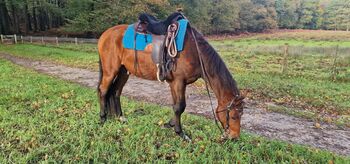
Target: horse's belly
[{"x": 144, "y": 68}]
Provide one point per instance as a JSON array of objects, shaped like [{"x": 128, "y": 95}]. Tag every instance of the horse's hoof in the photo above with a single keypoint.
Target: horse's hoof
[
  {"x": 185, "y": 137},
  {"x": 103, "y": 120},
  {"x": 168, "y": 125},
  {"x": 123, "y": 119}
]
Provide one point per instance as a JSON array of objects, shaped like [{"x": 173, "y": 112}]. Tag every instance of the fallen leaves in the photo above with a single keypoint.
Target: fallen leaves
[
  {"x": 67, "y": 95},
  {"x": 35, "y": 105},
  {"x": 317, "y": 125}
]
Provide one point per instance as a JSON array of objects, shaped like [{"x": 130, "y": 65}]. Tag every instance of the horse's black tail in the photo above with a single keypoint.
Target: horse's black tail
[{"x": 100, "y": 73}]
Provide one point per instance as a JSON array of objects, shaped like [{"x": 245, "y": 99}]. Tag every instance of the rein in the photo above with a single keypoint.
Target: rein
[{"x": 206, "y": 79}]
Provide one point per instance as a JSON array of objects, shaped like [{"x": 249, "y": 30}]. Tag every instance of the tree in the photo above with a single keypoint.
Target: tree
[
  {"x": 5, "y": 18},
  {"x": 96, "y": 16},
  {"x": 287, "y": 16},
  {"x": 197, "y": 11},
  {"x": 337, "y": 15},
  {"x": 309, "y": 13},
  {"x": 224, "y": 15},
  {"x": 210, "y": 16},
  {"x": 257, "y": 15}
]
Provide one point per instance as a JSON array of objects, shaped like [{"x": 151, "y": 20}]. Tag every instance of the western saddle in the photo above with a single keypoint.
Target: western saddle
[{"x": 163, "y": 33}]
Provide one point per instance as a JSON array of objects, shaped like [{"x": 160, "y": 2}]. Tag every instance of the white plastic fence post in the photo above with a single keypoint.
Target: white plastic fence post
[
  {"x": 76, "y": 41},
  {"x": 22, "y": 39},
  {"x": 57, "y": 41},
  {"x": 31, "y": 39},
  {"x": 42, "y": 40},
  {"x": 2, "y": 38},
  {"x": 15, "y": 38}
]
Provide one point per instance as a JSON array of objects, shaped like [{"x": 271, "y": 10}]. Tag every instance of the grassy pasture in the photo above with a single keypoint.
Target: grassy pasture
[
  {"x": 43, "y": 119},
  {"x": 60, "y": 55},
  {"x": 306, "y": 35},
  {"x": 317, "y": 75},
  {"x": 256, "y": 64}
]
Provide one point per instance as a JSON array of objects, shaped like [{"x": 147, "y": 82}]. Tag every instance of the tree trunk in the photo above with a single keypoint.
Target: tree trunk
[
  {"x": 35, "y": 21},
  {"x": 27, "y": 19},
  {"x": 15, "y": 22},
  {"x": 48, "y": 20},
  {"x": 42, "y": 20},
  {"x": 4, "y": 18}
]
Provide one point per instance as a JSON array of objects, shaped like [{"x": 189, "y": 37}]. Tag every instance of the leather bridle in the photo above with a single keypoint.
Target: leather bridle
[{"x": 228, "y": 109}]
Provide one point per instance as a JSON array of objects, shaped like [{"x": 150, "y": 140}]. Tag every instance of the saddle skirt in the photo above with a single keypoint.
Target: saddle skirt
[{"x": 143, "y": 39}]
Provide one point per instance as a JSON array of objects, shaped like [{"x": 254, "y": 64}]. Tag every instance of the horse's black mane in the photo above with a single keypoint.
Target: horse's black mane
[{"x": 215, "y": 66}]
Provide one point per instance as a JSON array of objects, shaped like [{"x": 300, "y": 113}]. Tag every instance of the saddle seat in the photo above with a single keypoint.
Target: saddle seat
[{"x": 152, "y": 25}]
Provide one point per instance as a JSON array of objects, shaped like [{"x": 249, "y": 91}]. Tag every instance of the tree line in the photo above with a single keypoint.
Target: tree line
[{"x": 210, "y": 16}]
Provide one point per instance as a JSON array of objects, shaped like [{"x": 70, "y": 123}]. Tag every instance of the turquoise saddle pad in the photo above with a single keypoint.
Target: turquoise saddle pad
[{"x": 142, "y": 40}]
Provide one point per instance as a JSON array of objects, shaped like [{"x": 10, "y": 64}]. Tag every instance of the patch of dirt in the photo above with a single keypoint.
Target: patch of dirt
[{"x": 255, "y": 120}]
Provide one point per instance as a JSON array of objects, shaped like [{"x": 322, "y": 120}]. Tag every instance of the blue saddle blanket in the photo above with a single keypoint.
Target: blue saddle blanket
[{"x": 142, "y": 40}]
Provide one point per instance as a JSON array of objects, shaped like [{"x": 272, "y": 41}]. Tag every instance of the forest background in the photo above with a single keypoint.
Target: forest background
[{"x": 89, "y": 18}]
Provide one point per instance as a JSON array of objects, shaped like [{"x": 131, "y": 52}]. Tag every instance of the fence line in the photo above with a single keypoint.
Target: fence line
[
  {"x": 286, "y": 51},
  {"x": 14, "y": 39}
]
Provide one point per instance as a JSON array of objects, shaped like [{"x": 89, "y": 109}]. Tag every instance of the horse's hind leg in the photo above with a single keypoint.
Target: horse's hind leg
[
  {"x": 104, "y": 92},
  {"x": 118, "y": 85}
]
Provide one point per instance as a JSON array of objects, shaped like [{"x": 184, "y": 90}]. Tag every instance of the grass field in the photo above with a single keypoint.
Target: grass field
[
  {"x": 60, "y": 55},
  {"x": 43, "y": 119},
  {"x": 307, "y": 83},
  {"x": 306, "y": 35}
]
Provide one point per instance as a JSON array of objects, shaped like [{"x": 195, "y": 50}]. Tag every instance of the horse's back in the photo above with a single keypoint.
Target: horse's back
[
  {"x": 111, "y": 38},
  {"x": 110, "y": 48}
]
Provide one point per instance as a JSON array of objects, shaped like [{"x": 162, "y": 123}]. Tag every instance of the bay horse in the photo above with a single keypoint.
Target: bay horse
[{"x": 116, "y": 63}]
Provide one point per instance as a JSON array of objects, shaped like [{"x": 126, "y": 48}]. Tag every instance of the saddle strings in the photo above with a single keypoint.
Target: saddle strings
[
  {"x": 206, "y": 79},
  {"x": 170, "y": 43}
]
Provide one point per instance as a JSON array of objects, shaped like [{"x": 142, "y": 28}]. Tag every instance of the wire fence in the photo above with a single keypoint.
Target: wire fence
[
  {"x": 334, "y": 59},
  {"x": 14, "y": 39},
  {"x": 317, "y": 62}
]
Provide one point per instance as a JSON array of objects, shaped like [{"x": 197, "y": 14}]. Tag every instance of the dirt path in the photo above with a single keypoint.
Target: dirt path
[{"x": 255, "y": 120}]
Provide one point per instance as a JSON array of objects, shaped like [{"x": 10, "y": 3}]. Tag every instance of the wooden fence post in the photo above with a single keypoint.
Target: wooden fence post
[
  {"x": 285, "y": 59},
  {"x": 57, "y": 41},
  {"x": 22, "y": 39},
  {"x": 15, "y": 38},
  {"x": 76, "y": 41},
  {"x": 42, "y": 40},
  {"x": 2, "y": 38},
  {"x": 334, "y": 67},
  {"x": 31, "y": 39}
]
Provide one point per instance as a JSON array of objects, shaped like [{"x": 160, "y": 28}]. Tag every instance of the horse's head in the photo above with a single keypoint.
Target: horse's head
[{"x": 230, "y": 117}]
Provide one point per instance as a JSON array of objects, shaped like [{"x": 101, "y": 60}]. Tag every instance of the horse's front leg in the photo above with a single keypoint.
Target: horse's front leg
[{"x": 178, "y": 89}]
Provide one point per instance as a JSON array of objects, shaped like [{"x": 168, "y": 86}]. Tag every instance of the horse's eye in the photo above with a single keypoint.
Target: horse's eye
[{"x": 235, "y": 117}]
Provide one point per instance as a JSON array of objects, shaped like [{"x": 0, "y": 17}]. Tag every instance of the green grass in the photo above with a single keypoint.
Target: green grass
[
  {"x": 276, "y": 42},
  {"x": 307, "y": 83},
  {"x": 43, "y": 119},
  {"x": 309, "y": 35},
  {"x": 86, "y": 47},
  {"x": 61, "y": 55}
]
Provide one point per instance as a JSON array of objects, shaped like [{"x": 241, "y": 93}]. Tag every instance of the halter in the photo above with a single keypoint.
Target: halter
[{"x": 228, "y": 109}]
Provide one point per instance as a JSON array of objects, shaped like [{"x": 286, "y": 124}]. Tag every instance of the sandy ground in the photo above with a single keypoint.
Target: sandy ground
[{"x": 255, "y": 120}]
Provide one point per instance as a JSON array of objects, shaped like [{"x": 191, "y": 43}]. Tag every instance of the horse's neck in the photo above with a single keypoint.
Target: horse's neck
[
  {"x": 223, "y": 95},
  {"x": 218, "y": 75}
]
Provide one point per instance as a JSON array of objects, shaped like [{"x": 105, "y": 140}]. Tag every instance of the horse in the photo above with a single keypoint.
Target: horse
[{"x": 116, "y": 63}]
